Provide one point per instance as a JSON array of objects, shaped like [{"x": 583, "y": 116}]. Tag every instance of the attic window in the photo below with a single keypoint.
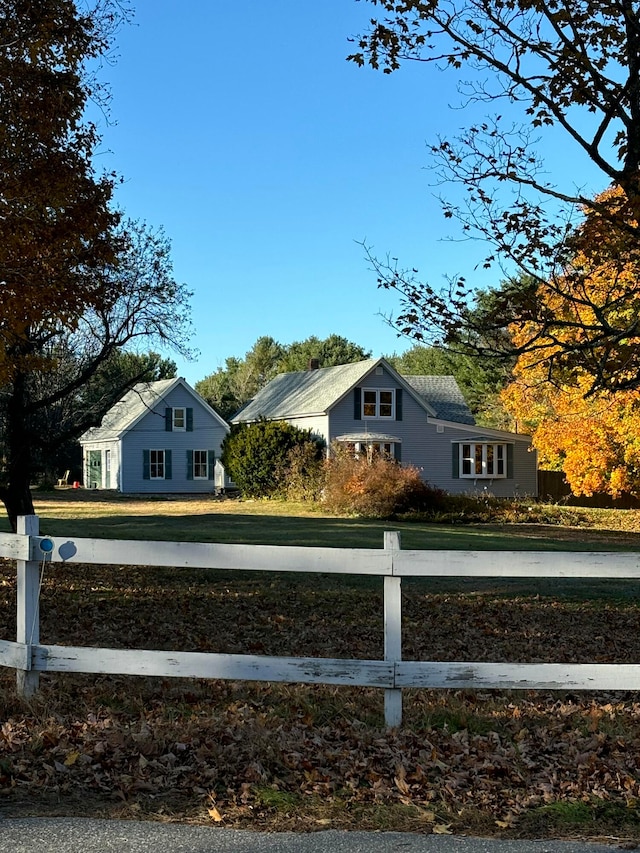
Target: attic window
[
  {"x": 377, "y": 404},
  {"x": 179, "y": 420}
]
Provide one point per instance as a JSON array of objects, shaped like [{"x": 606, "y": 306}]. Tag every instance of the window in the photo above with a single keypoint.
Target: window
[
  {"x": 377, "y": 404},
  {"x": 200, "y": 465},
  {"x": 369, "y": 449},
  {"x": 156, "y": 465},
  {"x": 179, "y": 420},
  {"x": 480, "y": 459}
]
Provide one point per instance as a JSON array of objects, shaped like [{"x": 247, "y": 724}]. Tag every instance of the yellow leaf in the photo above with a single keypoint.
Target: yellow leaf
[
  {"x": 214, "y": 814},
  {"x": 503, "y": 824},
  {"x": 442, "y": 829},
  {"x": 71, "y": 759}
]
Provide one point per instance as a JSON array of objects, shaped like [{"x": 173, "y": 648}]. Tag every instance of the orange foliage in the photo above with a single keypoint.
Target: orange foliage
[{"x": 593, "y": 437}]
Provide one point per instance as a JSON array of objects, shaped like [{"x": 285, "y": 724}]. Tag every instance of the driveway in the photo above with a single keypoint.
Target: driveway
[{"x": 77, "y": 835}]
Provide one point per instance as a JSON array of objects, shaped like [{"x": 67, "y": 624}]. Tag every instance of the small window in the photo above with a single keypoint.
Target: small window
[
  {"x": 200, "y": 465},
  {"x": 156, "y": 465},
  {"x": 179, "y": 420}
]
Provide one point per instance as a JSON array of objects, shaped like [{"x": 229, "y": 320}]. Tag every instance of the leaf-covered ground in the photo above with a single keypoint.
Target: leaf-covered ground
[{"x": 300, "y": 757}]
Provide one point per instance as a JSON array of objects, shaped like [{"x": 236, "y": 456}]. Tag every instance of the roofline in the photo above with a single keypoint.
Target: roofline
[
  {"x": 179, "y": 380},
  {"x": 480, "y": 430},
  {"x": 201, "y": 400},
  {"x": 280, "y": 418},
  {"x": 399, "y": 378},
  {"x": 147, "y": 409}
]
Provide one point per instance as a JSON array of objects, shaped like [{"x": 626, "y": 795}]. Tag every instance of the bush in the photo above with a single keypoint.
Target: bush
[
  {"x": 255, "y": 456},
  {"x": 375, "y": 487},
  {"x": 302, "y": 476}
]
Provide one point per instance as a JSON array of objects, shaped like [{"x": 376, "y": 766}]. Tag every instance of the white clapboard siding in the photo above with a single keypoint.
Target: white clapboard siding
[
  {"x": 516, "y": 564},
  {"x": 364, "y": 673},
  {"x": 14, "y": 655},
  {"x": 14, "y": 546},
  {"x": 518, "y": 676},
  {"x": 273, "y": 558}
]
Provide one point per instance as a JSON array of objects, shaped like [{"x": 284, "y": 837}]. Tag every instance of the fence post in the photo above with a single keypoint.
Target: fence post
[
  {"x": 392, "y": 633},
  {"x": 28, "y": 616}
]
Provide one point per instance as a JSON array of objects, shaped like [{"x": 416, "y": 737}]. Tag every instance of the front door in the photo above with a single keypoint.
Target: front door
[{"x": 95, "y": 469}]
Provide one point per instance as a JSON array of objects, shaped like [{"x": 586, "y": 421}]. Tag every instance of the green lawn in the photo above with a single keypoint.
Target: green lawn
[{"x": 86, "y": 514}]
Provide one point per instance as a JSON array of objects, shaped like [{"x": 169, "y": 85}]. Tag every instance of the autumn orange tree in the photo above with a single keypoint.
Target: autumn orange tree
[
  {"x": 76, "y": 283},
  {"x": 592, "y": 434}
]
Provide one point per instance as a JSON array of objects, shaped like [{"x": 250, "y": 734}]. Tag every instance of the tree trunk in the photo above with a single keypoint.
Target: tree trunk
[{"x": 16, "y": 492}]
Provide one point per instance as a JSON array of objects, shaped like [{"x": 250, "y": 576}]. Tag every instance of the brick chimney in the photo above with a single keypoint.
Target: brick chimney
[{"x": 314, "y": 364}]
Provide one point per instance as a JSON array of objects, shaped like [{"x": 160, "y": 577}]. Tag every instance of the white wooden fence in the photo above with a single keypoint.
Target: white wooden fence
[{"x": 30, "y": 657}]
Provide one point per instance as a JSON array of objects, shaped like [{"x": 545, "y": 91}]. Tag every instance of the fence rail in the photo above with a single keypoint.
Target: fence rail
[{"x": 29, "y": 657}]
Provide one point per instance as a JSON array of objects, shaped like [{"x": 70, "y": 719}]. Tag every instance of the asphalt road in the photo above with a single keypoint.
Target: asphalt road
[{"x": 74, "y": 835}]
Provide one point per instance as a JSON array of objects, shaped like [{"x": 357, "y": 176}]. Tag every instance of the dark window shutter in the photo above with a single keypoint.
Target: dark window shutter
[
  {"x": 189, "y": 420},
  {"x": 357, "y": 404},
  {"x": 168, "y": 419},
  {"x": 189, "y": 464},
  {"x": 455, "y": 461},
  {"x": 146, "y": 465},
  {"x": 398, "y": 404},
  {"x": 510, "y": 461},
  {"x": 397, "y": 451},
  {"x": 167, "y": 464},
  {"x": 211, "y": 463}
]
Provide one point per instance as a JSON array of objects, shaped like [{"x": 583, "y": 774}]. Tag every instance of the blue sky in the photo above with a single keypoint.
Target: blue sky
[{"x": 266, "y": 157}]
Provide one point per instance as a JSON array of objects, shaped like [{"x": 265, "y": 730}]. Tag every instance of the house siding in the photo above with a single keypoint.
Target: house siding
[
  {"x": 150, "y": 434},
  {"x": 429, "y": 450},
  {"x": 318, "y": 424}
]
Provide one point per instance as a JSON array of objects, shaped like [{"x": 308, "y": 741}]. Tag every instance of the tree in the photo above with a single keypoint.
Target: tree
[
  {"x": 57, "y": 229},
  {"x": 256, "y": 455},
  {"x": 82, "y": 369},
  {"x": 594, "y": 439},
  {"x": 329, "y": 352},
  {"x": 239, "y": 380},
  {"x": 574, "y": 66},
  {"x": 588, "y": 433}
]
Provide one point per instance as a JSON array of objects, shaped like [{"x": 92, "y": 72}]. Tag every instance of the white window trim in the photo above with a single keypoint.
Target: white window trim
[
  {"x": 164, "y": 465},
  {"x": 182, "y": 428},
  {"x": 484, "y": 475},
  {"x": 206, "y": 466},
  {"x": 377, "y": 392}
]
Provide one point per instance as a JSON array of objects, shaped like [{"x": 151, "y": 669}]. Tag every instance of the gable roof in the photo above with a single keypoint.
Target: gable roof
[
  {"x": 305, "y": 392},
  {"x": 135, "y": 404},
  {"x": 444, "y": 395},
  {"x": 314, "y": 392}
]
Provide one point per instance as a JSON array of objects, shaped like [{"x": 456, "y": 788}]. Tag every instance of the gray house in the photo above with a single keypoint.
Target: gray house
[
  {"x": 160, "y": 437},
  {"x": 417, "y": 420}
]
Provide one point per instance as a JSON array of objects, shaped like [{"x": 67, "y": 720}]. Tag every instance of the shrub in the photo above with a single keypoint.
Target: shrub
[
  {"x": 375, "y": 487},
  {"x": 256, "y": 455},
  {"x": 302, "y": 476}
]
